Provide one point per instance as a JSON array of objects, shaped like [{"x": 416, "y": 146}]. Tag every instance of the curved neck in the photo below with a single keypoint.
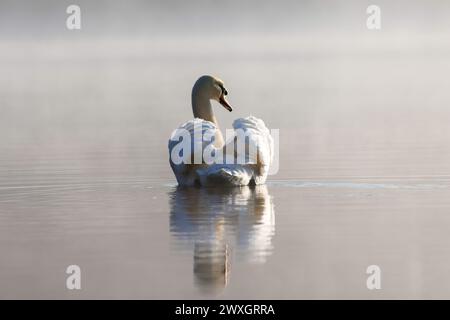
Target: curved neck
[{"x": 201, "y": 107}]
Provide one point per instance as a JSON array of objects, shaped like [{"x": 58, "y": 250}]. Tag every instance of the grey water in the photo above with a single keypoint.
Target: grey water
[{"x": 364, "y": 168}]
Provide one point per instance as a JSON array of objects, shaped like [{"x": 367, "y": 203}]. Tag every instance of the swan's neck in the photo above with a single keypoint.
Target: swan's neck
[{"x": 201, "y": 107}]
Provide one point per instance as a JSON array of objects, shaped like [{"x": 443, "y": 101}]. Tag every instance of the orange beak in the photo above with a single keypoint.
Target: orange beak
[{"x": 225, "y": 103}]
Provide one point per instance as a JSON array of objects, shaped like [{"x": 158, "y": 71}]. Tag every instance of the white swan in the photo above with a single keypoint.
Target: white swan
[{"x": 253, "y": 171}]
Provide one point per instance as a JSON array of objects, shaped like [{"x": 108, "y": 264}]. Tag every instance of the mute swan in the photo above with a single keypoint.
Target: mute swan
[{"x": 189, "y": 172}]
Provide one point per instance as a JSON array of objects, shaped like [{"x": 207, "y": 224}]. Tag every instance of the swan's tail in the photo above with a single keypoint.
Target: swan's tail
[{"x": 225, "y": 175}]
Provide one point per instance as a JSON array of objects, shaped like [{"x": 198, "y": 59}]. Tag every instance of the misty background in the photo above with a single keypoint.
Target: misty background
[{"x": 127, "y": 74}]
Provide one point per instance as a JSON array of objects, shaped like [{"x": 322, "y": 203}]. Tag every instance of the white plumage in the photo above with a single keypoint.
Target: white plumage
[{"x": 254, "y": 171}]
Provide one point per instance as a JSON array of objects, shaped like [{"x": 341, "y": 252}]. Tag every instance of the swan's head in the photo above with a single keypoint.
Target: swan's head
[{"x": 212, "y": 88}]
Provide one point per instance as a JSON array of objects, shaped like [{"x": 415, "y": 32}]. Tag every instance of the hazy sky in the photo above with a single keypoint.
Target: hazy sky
[
  {"x": 135, "y": 55},
  {"x": 153, "y": 18}
]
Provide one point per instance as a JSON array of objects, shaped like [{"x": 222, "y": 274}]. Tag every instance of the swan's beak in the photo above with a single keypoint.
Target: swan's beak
[{"x": 225, "y": 103}]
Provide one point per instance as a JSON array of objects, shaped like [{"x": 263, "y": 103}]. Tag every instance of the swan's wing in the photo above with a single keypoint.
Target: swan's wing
[
  {"x": 258, "y": 136},
  {"x": 251, "y": 157},
  {"x": 186, "y": 146}
]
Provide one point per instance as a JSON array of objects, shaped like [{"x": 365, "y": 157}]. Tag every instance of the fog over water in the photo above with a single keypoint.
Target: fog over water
[{"x": 364, "y": 175}]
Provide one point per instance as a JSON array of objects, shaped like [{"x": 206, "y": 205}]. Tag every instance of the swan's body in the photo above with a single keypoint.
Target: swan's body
[{"x": 235, "y": 173}]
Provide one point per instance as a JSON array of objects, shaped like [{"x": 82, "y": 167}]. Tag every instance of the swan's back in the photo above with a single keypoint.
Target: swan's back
[{"x": 252, "y": 171}]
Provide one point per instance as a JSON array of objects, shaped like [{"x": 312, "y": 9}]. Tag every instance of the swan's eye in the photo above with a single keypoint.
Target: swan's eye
[{"x": 224, "y": 91}]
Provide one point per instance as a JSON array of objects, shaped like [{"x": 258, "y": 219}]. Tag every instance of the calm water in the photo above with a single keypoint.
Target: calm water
[{"x": 364, "y": 171}]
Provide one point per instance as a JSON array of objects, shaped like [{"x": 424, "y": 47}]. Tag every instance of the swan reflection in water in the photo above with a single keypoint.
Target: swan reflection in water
[{"x": 221, "y": 224}]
